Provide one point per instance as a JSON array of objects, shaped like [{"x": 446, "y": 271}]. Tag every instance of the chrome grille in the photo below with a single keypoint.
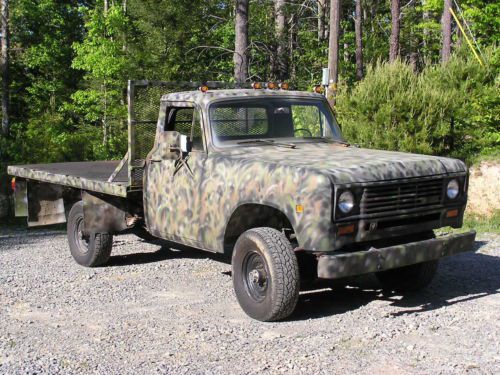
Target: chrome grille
[{"x": 401, "y": 197}]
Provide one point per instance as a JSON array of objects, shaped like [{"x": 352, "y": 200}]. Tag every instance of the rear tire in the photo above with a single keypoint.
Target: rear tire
[
  {"x": 265, "y": 274},
  {"x": 90, "y": 250}
]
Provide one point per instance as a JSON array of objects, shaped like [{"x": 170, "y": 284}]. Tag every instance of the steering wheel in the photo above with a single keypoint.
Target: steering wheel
[{"x": 303, "y": 129}]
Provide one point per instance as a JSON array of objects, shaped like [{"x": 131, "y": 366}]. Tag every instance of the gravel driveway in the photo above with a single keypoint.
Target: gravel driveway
[{"x": 154, "y": 310}]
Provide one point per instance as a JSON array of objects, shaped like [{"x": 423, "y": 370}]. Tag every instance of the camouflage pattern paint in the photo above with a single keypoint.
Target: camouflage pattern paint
[
  {"x": 192, "y": 198},
  {"x": 374, "y": 260},
  {"x": 195, "y": 208},
  {"x": 65, "y": 178}
]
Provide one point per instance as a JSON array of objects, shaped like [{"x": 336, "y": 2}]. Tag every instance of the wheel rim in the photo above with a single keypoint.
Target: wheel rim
[
  {"x": 255, "y": 276},
  {"x": 82, "y": 240}
]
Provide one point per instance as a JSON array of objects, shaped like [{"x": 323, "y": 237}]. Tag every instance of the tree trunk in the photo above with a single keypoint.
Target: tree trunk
[
  {"x": 321, "y": 20},
  {"x": 425, "y": 31},
  {"x": 293, "y": 45},
  {"x": 106, "y": 7},
  {"x": 358, "y": 30},
  {"x": 4, "y": 64},
  {"x": 446, "y": 31},
  {"x": 395, "y": 28},
  {"x": 240, "y": 57},
  {"x": 281, "y": 70},
  {"x": 333, "y": 49}
]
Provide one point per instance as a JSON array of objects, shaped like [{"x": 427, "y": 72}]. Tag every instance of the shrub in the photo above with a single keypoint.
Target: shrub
[{"x": 450, "y": 109}]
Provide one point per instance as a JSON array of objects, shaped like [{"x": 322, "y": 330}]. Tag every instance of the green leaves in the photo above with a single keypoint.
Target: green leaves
[{"x": 444, "y": 110}]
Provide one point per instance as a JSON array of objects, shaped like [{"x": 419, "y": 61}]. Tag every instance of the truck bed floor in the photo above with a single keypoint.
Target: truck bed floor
[{"x": 92, "y": 175}]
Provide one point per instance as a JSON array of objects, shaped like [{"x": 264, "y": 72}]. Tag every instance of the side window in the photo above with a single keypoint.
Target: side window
[{"x": 186, "y": 121}]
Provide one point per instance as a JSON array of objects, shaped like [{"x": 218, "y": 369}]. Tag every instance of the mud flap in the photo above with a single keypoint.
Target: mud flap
[
  {"x": 45, "y": 204},
  {"x": 104, "y": 214}
]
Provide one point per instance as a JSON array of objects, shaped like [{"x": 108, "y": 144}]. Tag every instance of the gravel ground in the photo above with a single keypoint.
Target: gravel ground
[{"x": 154, "y": 310}]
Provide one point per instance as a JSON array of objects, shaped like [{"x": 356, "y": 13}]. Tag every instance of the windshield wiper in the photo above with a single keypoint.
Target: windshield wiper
[
  {"x": 269, "y": 142},
  {"x": 329, "y": 140}
]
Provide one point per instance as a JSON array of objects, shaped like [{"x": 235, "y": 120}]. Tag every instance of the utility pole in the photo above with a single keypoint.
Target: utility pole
[{"x": 333, "y": 50}]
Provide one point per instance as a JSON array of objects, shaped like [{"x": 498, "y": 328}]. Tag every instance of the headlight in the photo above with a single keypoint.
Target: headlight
[
  {"x": 452, "y": 189},
  {"x": 346, "y": 202}
]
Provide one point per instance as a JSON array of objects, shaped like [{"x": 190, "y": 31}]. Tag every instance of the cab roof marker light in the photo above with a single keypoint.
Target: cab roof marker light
[
  {"x": 318, "y": 89},
  {"x": 271, "y": 86},
  {"x": 203, "y": 88},
  {"x": 256, "y": 85},
  {"x": 284, "y": 86}
]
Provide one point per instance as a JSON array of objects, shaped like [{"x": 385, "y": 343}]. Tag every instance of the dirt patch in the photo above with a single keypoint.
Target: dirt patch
[{"x": 484, "y": 189}]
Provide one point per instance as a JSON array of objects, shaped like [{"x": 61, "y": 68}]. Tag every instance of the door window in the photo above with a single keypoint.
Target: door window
[{"x": 187, "y": 121}]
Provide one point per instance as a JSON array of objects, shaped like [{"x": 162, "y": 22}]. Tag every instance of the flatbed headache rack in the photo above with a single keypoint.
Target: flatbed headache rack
[{"x": 113, "y": 177}]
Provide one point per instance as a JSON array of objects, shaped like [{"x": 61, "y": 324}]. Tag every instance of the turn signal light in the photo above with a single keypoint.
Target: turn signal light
[
  {"x": 345, "y": 229},
  {"x": 13, "y": 184},
  {"x": 452, "y": 213},
  {"x": 272, "y": 86},
  {"x": 203, "y": 88}
]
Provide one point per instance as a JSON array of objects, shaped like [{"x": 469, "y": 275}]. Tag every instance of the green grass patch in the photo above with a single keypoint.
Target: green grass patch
[{"x": 483, "y": 224}]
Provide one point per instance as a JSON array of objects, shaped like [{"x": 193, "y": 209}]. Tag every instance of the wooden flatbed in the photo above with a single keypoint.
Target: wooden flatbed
[{"x": 91, "y": 175}]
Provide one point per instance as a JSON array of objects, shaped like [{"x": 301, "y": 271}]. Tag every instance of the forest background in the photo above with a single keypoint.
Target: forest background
[{"x": 402, "y": 72}]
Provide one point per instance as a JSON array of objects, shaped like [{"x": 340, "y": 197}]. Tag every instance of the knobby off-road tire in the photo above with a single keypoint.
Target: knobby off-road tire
[
  {"x": 265, "y": 274},
  {"x": 88, "y": 250},
  {"x": 410, "y": 278}
]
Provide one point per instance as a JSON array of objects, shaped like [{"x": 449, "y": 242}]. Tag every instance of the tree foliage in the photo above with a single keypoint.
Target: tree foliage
[{"x": 70, "y": 62}]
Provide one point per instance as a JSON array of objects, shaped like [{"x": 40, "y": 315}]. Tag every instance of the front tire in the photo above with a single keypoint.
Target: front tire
[
  {"x": 90, "y": 250},
  {"x": 265, "y": 274}
]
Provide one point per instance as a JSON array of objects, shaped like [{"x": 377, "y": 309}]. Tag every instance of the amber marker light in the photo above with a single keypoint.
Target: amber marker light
[
  {"x": 203, "y": 88},
  {"x": 452, "y": 213},
  {"x": 318, "y": 89},
  {"x": 13, "y": 184},
  {"x": 256, "y": 85},
  {"x": 272, "y": 86},
  {"x": 345, "y": 229},
  {"x": 284, "y": 86},
  {"x": 299, "y": 208}
]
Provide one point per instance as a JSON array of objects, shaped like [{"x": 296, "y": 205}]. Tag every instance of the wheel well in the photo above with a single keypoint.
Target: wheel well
[{"x": 251, "y": 215}]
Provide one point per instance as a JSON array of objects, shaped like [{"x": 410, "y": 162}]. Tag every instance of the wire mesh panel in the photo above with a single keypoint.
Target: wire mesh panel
[
  {"x": 144, "y": 106},
  {"x": 239, "y": 121}
]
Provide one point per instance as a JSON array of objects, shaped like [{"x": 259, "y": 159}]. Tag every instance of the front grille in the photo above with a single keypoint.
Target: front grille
[{"x": 394, "y": 198}]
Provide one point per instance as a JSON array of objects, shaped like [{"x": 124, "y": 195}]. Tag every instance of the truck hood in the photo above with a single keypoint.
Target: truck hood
[{"x": 351, "y": 164}]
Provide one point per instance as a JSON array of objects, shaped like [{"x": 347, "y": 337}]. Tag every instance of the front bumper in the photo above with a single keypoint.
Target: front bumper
[{"x": 374, "y": 260}]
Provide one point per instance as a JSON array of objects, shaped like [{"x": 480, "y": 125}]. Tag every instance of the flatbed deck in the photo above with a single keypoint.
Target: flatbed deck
[{"x": 92, "y": 175}]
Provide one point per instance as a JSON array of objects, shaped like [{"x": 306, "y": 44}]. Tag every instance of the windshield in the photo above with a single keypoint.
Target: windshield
[{"x": 268, "y": 120}]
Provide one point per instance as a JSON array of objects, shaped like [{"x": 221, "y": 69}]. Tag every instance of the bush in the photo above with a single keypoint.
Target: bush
[{"x": 450, "y": 109}]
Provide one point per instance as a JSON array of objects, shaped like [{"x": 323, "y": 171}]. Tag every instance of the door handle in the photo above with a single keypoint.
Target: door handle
[{"x": 155, "y": 160}]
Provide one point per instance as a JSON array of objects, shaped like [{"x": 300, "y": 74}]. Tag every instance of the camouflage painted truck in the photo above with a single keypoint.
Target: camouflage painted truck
[{"x": 265, "y": 177}]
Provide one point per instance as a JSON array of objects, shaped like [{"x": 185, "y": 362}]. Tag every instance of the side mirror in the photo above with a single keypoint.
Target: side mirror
[{"x": 185, "y": 144}]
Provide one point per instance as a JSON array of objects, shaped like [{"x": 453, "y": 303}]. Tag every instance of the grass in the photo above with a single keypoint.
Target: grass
[{"x": 483, "y": 224}]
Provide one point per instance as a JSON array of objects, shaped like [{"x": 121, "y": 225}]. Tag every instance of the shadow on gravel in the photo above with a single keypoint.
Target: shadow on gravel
[
  {"x": 460, "y": 278},
  {"x": 164, "y": 253}
]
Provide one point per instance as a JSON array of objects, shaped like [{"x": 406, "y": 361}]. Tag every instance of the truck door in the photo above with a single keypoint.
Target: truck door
[{"x": 172, "y": 183}]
